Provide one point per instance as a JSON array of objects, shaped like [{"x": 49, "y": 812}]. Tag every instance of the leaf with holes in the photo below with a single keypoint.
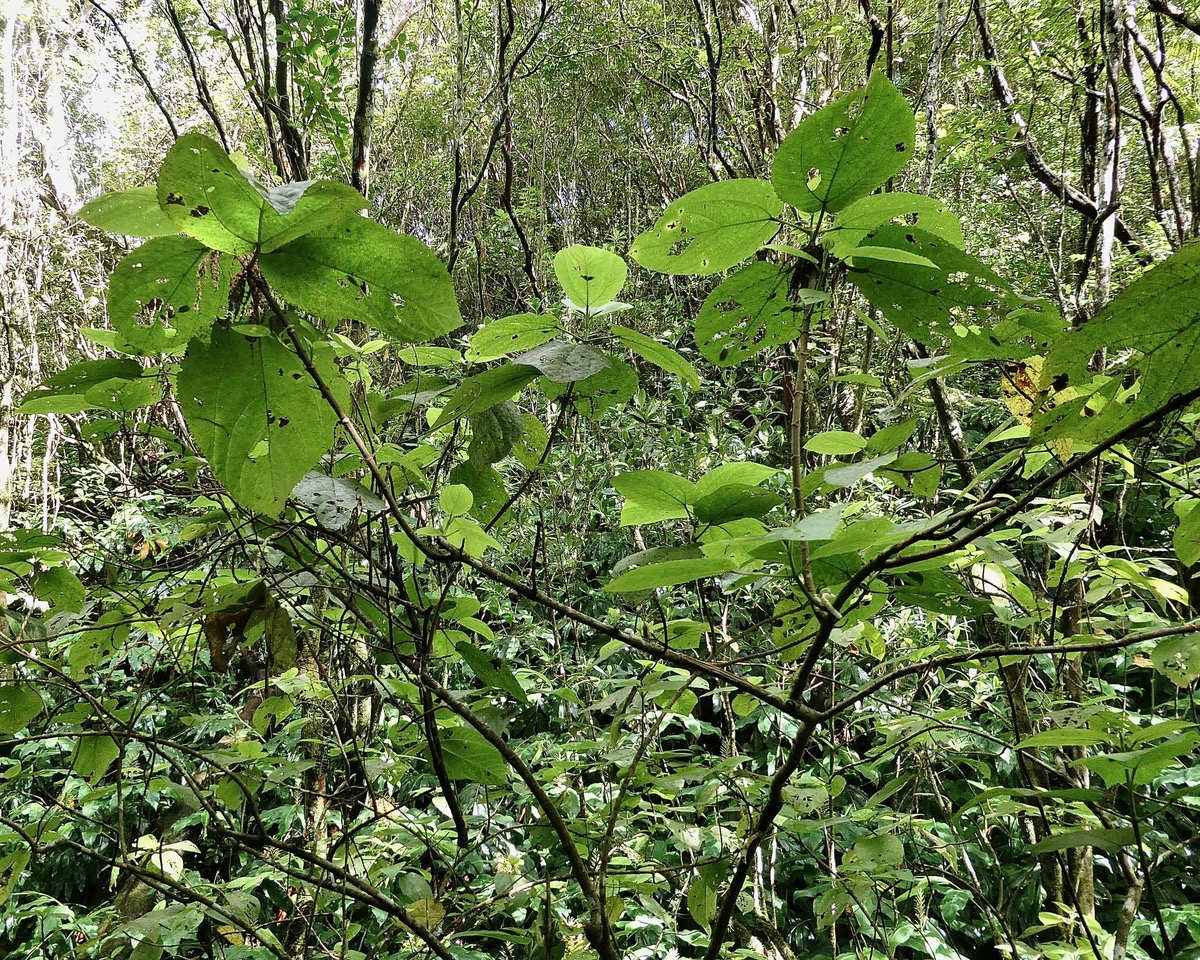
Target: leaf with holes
[
  {"x": 335, "y": 501},
  {"x": 1153, "y": 325},
  {"x": 166, "y": 292},
  {"x": 710, "y": 229},
  {"x": 359, "y": 270},
  {"x": 589, "y": 276},
  {"x": 502, "y": 338},
  {"x": 926, "y": 302},
  {"x": 209, "y": 198},
  {"x": 256, "y": 414},
  {"x": 749, "y": 312},
  {"x": 846, "y": 149},
  {"x": 861, "y": 217}
]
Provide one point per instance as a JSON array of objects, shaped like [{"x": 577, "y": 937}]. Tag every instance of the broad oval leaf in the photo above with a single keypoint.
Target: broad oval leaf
[
  {"x": 209, "y": 198},
  {"x": 846, "y": 149},
  {"x": 861, "y": 217},
  {"x": 335, "y": 501},
  {"x": 501, "y": 338},
  {"x": 653, "y": 495},
  {"x": 256, "y": 414},
  {"x": 596, "y": 395},
  {"x": 131, "y": 213},
  {"x": 468, "y": 756},
  {"x": 357, "y": 269},
  {"x": 836, "y": 443},
  {"x": 748, "y": 312},
  {"x": 166, "y": 292},
  {"x": 590, "y": 276},
  {"x": 710, "y": 229},
  {"x": 564, "y": 361},
  {"x": 19, "y": 703},
  {"x": 74, "y": 389}
]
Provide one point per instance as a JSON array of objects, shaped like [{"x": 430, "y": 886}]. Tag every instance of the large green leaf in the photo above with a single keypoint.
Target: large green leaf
[
  {"x": 166, "y": 292},
  {"x": 749, "y": 312},
  {"x": 133, "y": 213},
  {"x": 1157, "y": 320},
  {"x": 209, "y": 198},
  {"x": 256, "y": 414},
  {"x": 653, "y": 495},
  {"x": 861, "y": 217},
  {"x": 485, "y": 390},
  {"x": 114, "y": 384},
  {"x": 846, "y": 149},
  {"x": 357, "y": 269},
  {"x": 710, "y": 229},
  {"x": 594, "y": 396},
  {"x": 565, "y": 361},
  {"x": 19, "y": 703},
  {"x": 468, "y": 756},
  {"x": 501, "y": 338},
  {"x": 589, "y": 276},
  {"x": 925, "y": 303}
]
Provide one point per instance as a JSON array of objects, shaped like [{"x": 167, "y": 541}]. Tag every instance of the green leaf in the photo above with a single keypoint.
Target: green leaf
[
  {"x": 11, "y": 868},
  {"x": 209, "y": 198},
  {"x": 1140, "y": 767},
  {"x": 502, "y": 338},
  {"x": 60, "y": 588},
  {"x": 282, "y": 648},
  {"x": 1187, "y": 534},
  {"x": 740, "y": 471},
  {"x": 926, "y": 303},
  {"x": 357, "y": 269},
  {"x": 166, "y": 292},
  {"x": 456, "y": 500},
  {"x": 1110, "y": 840},
  {"x": 1178, "y": 659},
  {"x": 1065, "y": 737},
  {"x": 850, "y": 474},
  {"x": 599, "y": 393},
  {"x": 532, "y": 444},
  {"x": 748, "y": 312},
  {"x": 1158, "y": 317},
  {"x": 590, "y": 276},
  {"x": 658, "y": 354},
  {"x": 653, "y": 495},
  {"x": 132, "y": 213},
  {"x": 256, "y": 414},
  {"x": 486, "y": 390},
  {"x": 494, "y": 432},
  {"x": 836, "y": 443},
  {"x": 665, "y": 567},
  {"x": 710, "y": 229},
  {"x": 19, "y": 703},
  {"x": 468, "y": 756},
  {"x": 75, "y": 389},
  {"x": 887, "y": 255},
  {"x": 861, "y": 217},
  {"x": 872, "y": 854},
  {"x": 733, "y": 502},
  {"x": 702, "y": 901},
  {"x": 486, "y": 486},
  {"x": 846, "y": 149},
  {"x": 335, "y": 501},
  {"x": 564, "y": 361},
  {"x": 94, "y": 754},
  {"x": 491, "y": 671}
]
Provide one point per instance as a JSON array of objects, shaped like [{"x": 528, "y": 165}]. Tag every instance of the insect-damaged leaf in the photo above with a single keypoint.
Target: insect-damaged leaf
[
  {"x": 710, "y": 229},
  {"x": 256, "y": 414},
  {"x": 846, "y": 149}
]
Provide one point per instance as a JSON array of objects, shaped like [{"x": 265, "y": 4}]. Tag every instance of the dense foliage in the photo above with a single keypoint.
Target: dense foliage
[{"x": 802, "y": 566}]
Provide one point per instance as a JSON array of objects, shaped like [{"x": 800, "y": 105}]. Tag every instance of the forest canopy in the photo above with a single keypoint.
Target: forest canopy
[{"x": 579, "y": 481}]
